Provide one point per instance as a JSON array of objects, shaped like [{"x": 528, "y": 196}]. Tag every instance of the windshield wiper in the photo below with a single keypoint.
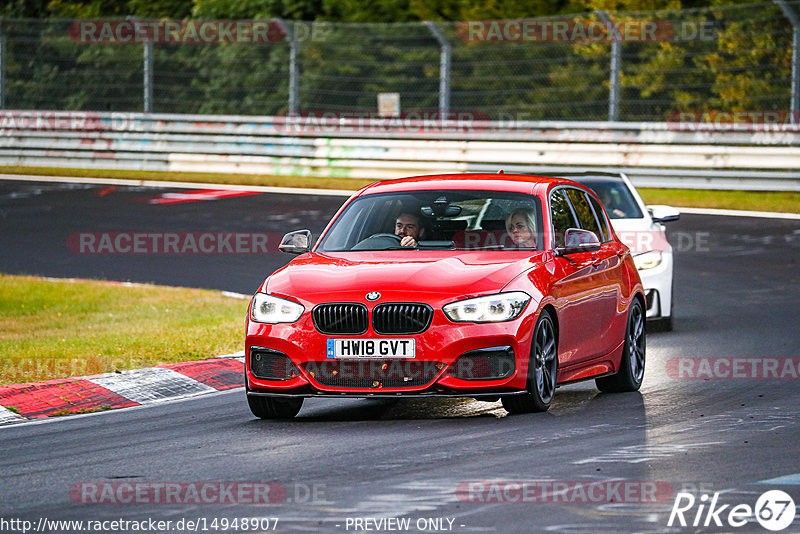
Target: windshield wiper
[{"x": 436, "y": 244}]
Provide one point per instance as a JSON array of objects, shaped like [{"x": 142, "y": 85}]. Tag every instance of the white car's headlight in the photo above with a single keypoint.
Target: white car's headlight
[
  {"x": 489, "y": 309},
  {"x": 648, "y": 260},
  {"x": 272, "y": 310}
]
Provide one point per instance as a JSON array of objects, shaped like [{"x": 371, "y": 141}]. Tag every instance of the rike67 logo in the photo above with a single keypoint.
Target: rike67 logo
[{"x": 774, "y": 510}]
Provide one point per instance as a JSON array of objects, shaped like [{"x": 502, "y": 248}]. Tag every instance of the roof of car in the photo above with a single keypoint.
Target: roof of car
[
  {"x": 594, "y": 177},
  {"x": 522, "y": 183}
]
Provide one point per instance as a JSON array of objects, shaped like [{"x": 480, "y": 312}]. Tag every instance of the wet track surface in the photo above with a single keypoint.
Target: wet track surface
[{"x": 737, "y": 296}]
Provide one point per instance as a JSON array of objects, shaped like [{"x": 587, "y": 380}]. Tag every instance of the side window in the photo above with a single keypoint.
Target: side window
[
  {"x": 584, "y": 212},
  {"x": 598, "y": 210},
  {"x": 562, "y": 216}
]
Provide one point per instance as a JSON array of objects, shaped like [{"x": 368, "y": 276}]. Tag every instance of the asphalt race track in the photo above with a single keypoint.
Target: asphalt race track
[{"x": 699, "y": 425}]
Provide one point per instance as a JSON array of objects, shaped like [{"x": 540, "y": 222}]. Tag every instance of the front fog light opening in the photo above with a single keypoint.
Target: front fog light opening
[
  {"x": 653, "y": 300},
  {"x": 494, "y": 363},
  {"x": 271, "y": 364}
]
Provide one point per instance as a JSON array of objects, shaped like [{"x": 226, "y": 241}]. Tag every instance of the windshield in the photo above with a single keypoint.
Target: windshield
[
  {"x": 616, "y": 198},
  {"x": 454, "y": 220}
]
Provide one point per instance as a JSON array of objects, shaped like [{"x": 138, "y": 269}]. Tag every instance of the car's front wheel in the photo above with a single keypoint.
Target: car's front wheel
[
  {"x": 542, "y": 370},
  {"x": 631, "y": 366},
  {"x": 274, "y": 407}
]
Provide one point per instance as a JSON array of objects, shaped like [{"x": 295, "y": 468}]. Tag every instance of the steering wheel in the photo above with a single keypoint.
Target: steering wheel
[
  {"x": 393, "y": 236},
  {"x": 381, "y": 241}
]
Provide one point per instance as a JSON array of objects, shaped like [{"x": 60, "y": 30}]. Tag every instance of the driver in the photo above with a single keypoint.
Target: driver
[{"x": 408, "y": 228}]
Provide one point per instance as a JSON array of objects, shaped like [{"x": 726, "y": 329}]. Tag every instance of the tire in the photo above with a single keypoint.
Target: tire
[
  {"x": 274, "y": 407},
  {"x": 631, "y": 365},
  {"x": 542, "y": 371}
]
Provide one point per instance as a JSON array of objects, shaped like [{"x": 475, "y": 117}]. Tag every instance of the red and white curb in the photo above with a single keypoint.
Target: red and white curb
[{"x": 39, "y": 400}]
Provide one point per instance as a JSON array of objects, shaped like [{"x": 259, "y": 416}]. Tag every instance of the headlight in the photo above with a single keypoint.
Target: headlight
[
  {"x": 648, "y": 260},
  {"x": 269, "y": 309},
  {"x": 489, "y": 309}
]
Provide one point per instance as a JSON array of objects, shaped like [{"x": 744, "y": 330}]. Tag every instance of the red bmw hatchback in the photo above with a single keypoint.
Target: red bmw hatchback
[{"x": 485, "y": 285}]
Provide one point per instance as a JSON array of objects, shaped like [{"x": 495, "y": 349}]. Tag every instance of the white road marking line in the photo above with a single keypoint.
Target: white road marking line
[
  {"x": 740, "y": 213},
  {"x": 786, "y": 480}
]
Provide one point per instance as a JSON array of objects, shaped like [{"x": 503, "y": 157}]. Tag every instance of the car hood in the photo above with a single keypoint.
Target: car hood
[{"x": 396, "y": 274}]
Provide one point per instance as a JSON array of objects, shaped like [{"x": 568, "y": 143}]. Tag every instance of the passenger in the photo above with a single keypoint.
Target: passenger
[
  {"x": 607, "y": 199},
  {"x": 408, "y": 226},
  {"x": 521, "y": 226}
]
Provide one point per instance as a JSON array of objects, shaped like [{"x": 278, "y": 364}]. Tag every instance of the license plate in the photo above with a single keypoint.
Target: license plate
[{"x": 371, "y": 348}]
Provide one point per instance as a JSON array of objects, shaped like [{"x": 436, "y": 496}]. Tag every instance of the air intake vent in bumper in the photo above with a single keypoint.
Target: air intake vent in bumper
[
  {"x": 270, "y": 364},
  {"x": 373, "y": 374}
]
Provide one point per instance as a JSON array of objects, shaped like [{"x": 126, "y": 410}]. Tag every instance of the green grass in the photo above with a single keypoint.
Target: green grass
[
  {"x": 67, "y": 411},
  {"x": 696, "y": 198},
  {"x": 59, "y": 329},
  {"x": 779, "y": 201}
]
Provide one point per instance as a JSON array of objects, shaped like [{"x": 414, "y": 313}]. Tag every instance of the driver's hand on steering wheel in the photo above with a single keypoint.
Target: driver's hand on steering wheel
[{"x": 408, "y": 241}]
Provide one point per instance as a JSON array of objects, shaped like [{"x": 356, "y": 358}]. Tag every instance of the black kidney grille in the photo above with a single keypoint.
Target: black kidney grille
[
  {"x": 373, "y": 374},
  {"x": 401, "y": 318},
  {"x": 342, "y": 318}
]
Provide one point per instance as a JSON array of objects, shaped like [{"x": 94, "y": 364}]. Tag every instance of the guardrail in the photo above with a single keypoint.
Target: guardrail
[{"x": 653, "y": 154}]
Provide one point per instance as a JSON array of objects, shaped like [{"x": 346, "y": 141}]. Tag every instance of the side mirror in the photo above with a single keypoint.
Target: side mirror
[
  {"x": 662, "y": 214},
  {"x": 577, "y": 240},
  {"x": 297, "y": 242}
]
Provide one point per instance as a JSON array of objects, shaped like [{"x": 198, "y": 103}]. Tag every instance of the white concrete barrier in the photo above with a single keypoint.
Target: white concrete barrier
[{"x": 653, "y": 154}]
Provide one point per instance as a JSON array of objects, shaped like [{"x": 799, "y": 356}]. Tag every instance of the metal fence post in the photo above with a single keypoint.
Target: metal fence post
[
  {"x": 148, "y": 77},
  {"x": 444, "y": 68},
  {"x": 795, "y": 95},
  {"x": 616, "y": 62},
  {"x": 2, "y": 67},
  {"x": 294, "y": 89},
  {"x": 147, "y": 70}
]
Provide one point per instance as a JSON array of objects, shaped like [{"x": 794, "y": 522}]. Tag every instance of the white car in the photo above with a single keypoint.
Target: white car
[{"x": 640, "y": 227}]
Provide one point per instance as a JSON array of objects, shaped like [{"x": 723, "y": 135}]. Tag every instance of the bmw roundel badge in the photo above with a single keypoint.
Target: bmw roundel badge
[{"x": 373, "y": 295}]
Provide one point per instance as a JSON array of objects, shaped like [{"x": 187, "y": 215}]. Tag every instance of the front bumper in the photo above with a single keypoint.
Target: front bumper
[
  {"x": 387, "y": 395},
  {"x": 300, "y": 365},
  {"x": 657, "y": 285}
]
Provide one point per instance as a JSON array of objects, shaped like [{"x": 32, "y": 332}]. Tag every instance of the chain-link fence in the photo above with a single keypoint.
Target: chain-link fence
[{"x": 626, "y": 66}]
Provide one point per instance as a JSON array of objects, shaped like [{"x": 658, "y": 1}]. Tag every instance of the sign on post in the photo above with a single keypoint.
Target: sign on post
[{"x": 389, "y": 104}]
